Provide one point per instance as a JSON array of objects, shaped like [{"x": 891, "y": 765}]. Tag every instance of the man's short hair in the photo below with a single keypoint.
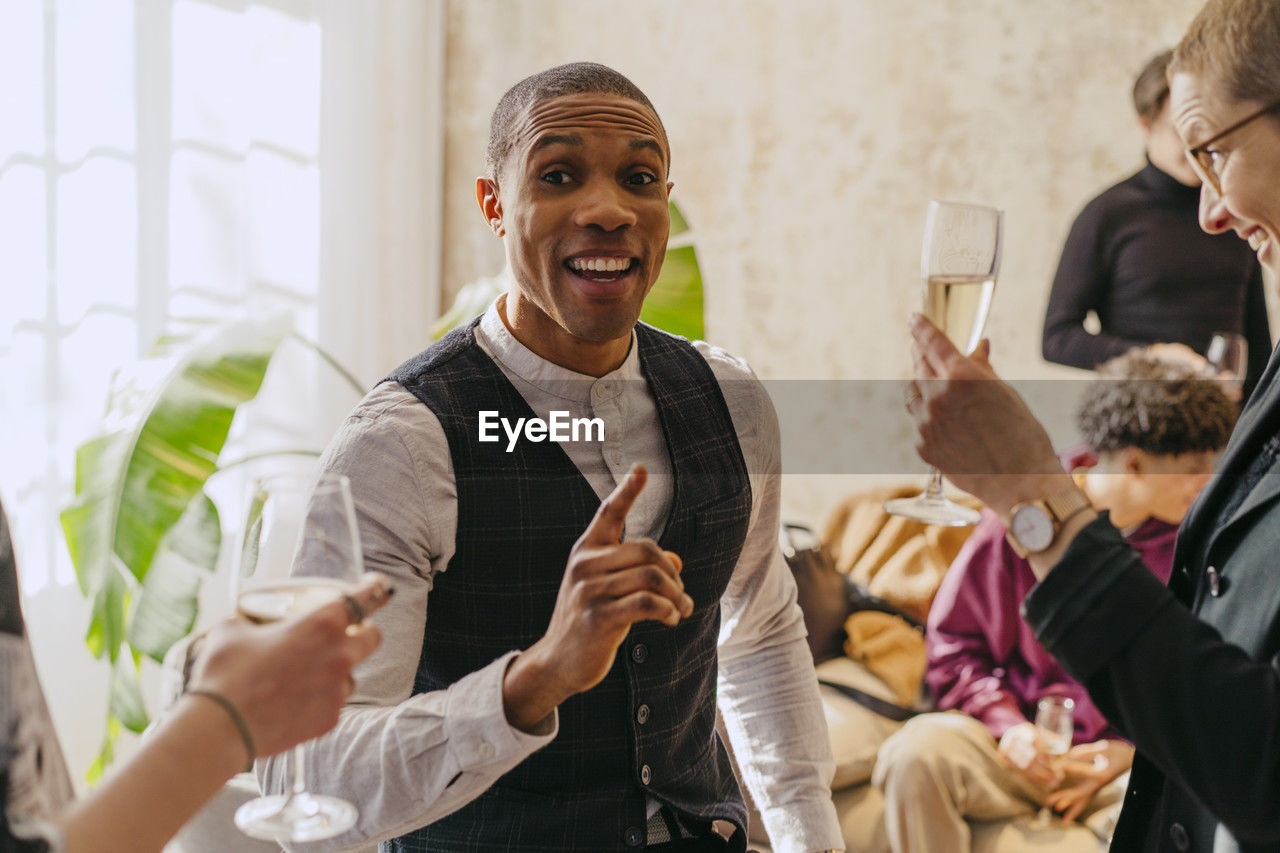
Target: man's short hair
[
  {"x": 575, "y": 78},
  {"x": 1155, "y": 405},
  {"x": 1151, "y": 89}
]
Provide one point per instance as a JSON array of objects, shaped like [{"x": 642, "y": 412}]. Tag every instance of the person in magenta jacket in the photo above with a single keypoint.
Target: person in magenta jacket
[{"x": 1153, "y": 434}]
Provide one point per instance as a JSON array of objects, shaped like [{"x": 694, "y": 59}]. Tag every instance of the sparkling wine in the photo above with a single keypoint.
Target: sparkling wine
[
  {"x": 958, "y": 305},
  {"x": 288, "y": 597}
]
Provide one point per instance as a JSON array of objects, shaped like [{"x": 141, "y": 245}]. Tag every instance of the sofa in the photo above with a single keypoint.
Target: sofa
[
  {"x": 856, "y": 734},
  {"x": 903, "y": 562}
]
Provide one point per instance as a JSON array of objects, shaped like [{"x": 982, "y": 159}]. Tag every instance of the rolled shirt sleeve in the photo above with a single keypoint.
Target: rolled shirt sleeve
[{"x": 768, "y": 692}]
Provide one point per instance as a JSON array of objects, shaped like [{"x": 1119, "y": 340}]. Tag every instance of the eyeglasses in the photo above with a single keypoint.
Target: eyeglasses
[{"x": 1208, "y": 161}]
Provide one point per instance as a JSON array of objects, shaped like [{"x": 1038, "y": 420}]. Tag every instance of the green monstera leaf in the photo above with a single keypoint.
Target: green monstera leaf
[
  {"x": 141, "y": 531},
  {"x": 675, "y": 303}
]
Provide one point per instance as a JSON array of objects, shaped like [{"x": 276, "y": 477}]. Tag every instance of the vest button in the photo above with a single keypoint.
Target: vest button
[
  {"x": 1178, "y": 835},
  {"x": 642, "y": 714},
  {"x": 633, "y": 837},
  {"x": 646, "y": 775},
  {"x": 639, "y": 653},
  {"x": 1214, "y": 577}
]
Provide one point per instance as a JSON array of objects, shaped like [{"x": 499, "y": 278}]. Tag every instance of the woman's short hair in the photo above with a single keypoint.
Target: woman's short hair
[
  {"x": 1158, "y": 406},
  {"x": 1234, "y": 44},
  {"x": 1151, "y": 89}
]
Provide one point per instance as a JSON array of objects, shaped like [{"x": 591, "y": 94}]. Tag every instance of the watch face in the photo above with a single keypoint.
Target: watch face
[{"x": 1032, "y": 527}]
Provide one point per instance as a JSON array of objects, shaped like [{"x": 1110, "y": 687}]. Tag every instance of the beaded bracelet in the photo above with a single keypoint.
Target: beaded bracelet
[{"x": 236, "y": 717}]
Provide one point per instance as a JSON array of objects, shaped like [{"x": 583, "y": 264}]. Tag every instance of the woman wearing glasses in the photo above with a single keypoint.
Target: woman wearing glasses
[
  {"x": 1190, "y": 672},
  {"x": 1137, "y": 258}
]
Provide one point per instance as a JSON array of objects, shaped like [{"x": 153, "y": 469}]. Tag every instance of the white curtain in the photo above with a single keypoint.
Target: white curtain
[{"x": 168, "y": 159}]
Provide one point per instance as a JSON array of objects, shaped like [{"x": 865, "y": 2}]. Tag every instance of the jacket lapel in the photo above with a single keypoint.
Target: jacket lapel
[{"x": 1257, "y": 423}]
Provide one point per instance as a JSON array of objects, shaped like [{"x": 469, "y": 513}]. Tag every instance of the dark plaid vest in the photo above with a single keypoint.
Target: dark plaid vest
[{"x": 648, "y": 729}]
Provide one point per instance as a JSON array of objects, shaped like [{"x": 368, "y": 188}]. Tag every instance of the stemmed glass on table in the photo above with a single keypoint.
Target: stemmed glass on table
[
  {"x": 958, "y": 264},
  {"x": 301, "y": 550},
  {"x": 1054, "y": 720}
]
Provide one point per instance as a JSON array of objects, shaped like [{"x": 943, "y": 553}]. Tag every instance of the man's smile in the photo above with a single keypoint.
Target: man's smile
[{"x": 600, "y": 268}]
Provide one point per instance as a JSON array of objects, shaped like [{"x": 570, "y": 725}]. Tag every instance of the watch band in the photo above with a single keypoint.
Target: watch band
[
  {"x": 1060, "y": 507},
  {"x": 1066, "y": 504}
]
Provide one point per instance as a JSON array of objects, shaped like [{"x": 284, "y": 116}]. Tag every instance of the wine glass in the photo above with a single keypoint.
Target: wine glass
[
  {"x": 1053, "y": 718},
  {"x": 300, "y": 551},
  {"x": 958, "y": 265},
  {"x": 1228, "y": 357}
]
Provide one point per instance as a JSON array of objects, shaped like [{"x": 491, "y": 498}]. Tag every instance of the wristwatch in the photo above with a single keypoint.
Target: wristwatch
[{"x": 1034, "y": 525}]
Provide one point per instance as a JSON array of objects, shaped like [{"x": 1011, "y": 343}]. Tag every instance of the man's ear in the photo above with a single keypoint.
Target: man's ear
[
  {"x": 1133, "y": 461},
  {"x": 490, "y": 205}
]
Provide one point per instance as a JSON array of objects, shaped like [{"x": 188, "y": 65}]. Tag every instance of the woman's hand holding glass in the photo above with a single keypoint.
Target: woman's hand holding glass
[
  {"x": 300, "y": 556},
  {"x": 975, "y": 428},
  {"x": 290, "y": 679}
]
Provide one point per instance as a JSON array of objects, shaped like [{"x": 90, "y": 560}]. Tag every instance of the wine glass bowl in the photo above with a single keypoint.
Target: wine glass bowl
[
  {"x": 958, "y": 266},
  {"x": 300, "y": 551},
  {"x": 1228, "y": 358}
]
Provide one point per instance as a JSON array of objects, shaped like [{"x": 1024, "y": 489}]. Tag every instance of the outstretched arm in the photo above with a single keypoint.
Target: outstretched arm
[
  {"x": 288, "y": 682},
  {"x": 768, "y": 692},
  {"x": 1166, "y": 678}
]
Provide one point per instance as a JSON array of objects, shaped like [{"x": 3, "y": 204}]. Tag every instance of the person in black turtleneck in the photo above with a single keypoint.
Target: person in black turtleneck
[{"x": 1136, "y": 256}]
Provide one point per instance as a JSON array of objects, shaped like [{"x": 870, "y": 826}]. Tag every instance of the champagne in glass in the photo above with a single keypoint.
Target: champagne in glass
[
  {"x": 958, "y": 305},
  {"x": 301, "y": 551},
  {"x": 274, "y": 602},
  {"x": 959, "y": 263},
  {"x": 1054, "y": 720}
]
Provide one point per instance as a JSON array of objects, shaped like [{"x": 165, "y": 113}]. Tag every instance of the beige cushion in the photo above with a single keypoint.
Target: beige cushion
[{"x": 856, "y": 732}]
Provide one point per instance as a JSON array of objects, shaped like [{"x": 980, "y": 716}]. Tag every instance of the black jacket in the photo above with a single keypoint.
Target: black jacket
[{"x": 1191, "y": 673}]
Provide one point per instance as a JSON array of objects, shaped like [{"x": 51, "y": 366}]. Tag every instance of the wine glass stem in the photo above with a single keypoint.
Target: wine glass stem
[
  {"x": 299, "y": 770},
  {"x": 933, "y": 491}
]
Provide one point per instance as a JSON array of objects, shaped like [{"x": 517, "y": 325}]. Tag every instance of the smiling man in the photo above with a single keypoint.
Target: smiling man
[{"x": 541, "y": 687}]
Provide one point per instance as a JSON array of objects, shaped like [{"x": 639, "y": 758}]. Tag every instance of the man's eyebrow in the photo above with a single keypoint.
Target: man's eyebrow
[
  {"x": 557, "y": 139},
  {"x": 648, "y": 142},
  {"x": 639, "y": 143}
]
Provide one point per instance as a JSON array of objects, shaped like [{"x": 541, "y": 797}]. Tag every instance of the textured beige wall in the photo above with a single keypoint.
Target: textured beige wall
[{"x": 808, "y": 136}]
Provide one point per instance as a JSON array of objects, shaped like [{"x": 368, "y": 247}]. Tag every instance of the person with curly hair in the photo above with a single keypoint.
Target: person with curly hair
[
  {"x": 1189, "y": 670},
  {"x": 1152, "y": 434}
]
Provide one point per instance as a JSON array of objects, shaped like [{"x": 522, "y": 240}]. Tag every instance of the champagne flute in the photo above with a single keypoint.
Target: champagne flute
[
  {"x": 1228, "y": 357},
  {"x": 958, "y": 264},
  {"x": 1054, "y": 719},
  {"x": 300, "y": 551}
]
